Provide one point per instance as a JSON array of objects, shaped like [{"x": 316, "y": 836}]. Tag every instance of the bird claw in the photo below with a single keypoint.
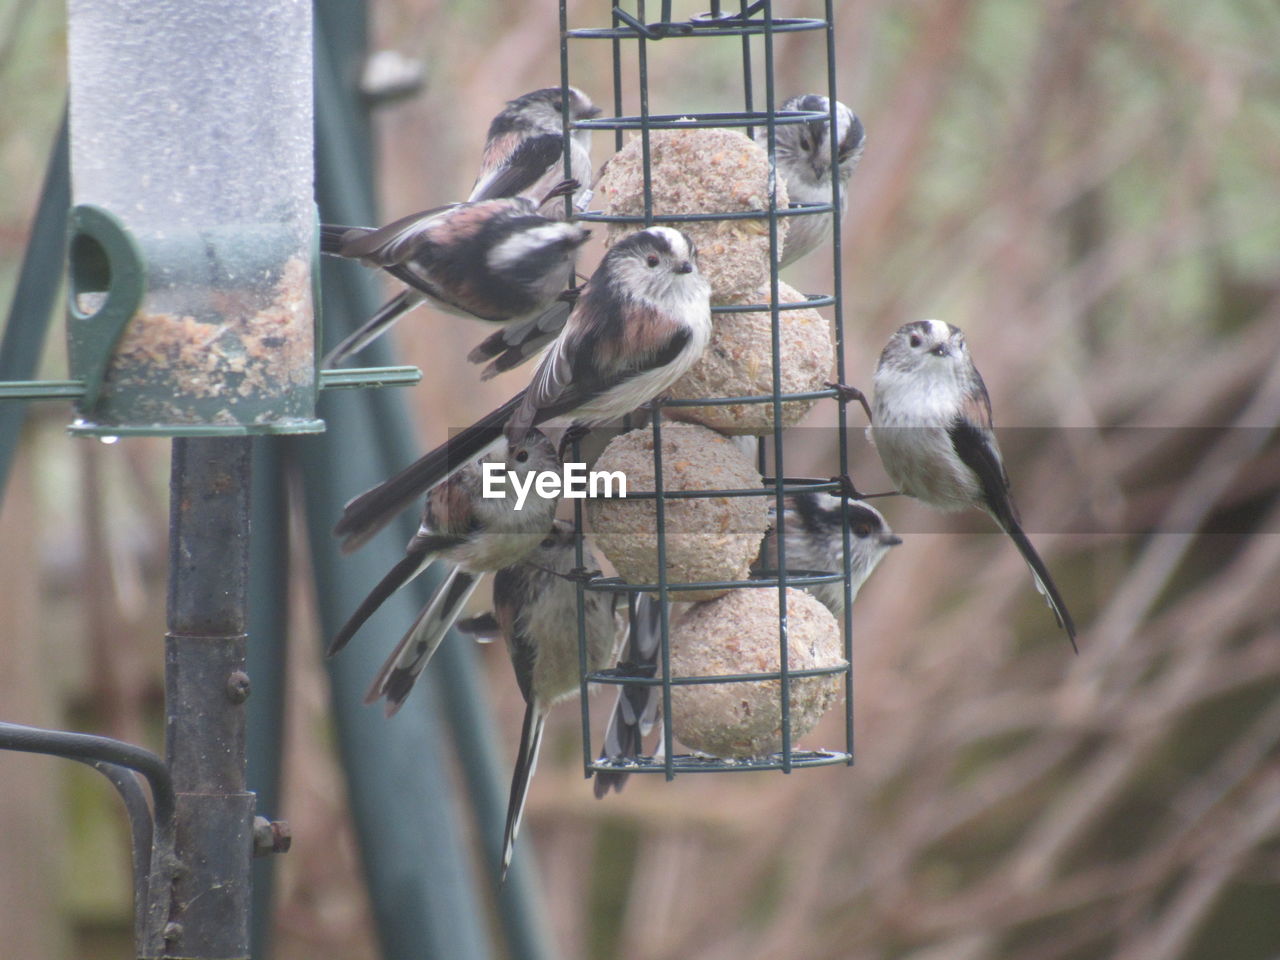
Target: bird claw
[
  {"x": 850, "y": 492},
  {"x": 848, "y": 394},
  {"x": 847, "y": 488},
  {"x": 629, "y": 668},
  {"x": 582, "y": 575},
  {"x": 654, "y": 405},
  {"x": 572, "y": 434},
  {"x": 563, "y": 188}
]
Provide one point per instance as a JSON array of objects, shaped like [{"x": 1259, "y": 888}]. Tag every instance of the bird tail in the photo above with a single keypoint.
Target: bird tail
[
  {"x": 374, "y": 327},
  {"x": 1044, "y": 582},
  {"x": 414, "y": 651},
  {"x": 372, "y": 510},
  {"x": 638, "y": 705},
  {"x": 482, "y": 629},
  {"x": 517, "y": 342},
  {"x": 333, "y": 237},
  {"x": 403, "y": 572},
  {"x": 535, "y": 718}
]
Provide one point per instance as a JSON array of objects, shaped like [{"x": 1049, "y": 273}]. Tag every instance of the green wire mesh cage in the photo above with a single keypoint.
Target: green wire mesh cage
[{"x": 752, "y": 29}]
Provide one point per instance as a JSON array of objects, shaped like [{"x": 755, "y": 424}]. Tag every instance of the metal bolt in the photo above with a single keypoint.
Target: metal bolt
[
  {"x": 172, "y": 931},
  {"x": 238, "y": 686},
  {"x": 271, "y": 836}
]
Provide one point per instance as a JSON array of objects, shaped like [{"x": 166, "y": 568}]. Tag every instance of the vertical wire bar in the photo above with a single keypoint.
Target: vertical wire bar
[
  {"x": 842, "y": 413},
  {"x": 616, "y": 43},
  {"x": 616, "y": 46},
  {"x": 581, "y": 587},
  {"x": 664, "y": 612},
  {"x": 580, "y": 599},
  {"x": 660, "y": 517},
  {"x": 564, "y": 112},
  {"x": 643, "y": 52},
  {"x": 776, "y": 341},
  {"x": 748, "y": 98}
]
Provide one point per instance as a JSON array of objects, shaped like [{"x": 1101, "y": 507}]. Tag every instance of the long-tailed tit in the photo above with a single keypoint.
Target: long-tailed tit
[
  {"x": 496, "y": 260},
  {"x": 803, "y": 153},
  {"x": 640, "y": 323},
  {"x": 474, "y": 533},
  {"x": 931, "y": 424},
  {"x": 524, "y": 151},
  {"x": 814, "y": 543},
  {"x": 536, "y": 611}
]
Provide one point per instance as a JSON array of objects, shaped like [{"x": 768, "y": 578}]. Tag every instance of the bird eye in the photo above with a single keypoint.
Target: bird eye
[
  {"x": 862, "y": 530},
  {"x": 914, "y": 340},
  {"x": 651, "y": 259},
  {"x": 548, "y": 543},
  {"x": 522, "y": 456}
]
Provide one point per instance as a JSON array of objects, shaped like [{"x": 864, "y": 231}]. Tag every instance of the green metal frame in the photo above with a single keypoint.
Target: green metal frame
[{"x": 102, "y": 257}]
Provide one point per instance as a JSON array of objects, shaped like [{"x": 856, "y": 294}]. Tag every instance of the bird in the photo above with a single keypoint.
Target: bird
[
  {"x": 535, "y": 610},
  {"x": 814, "y": 541},
  {"x": 524, "y": 156},
  {"x": 496, "y": 260},
  {"x": 641, "y": 321},
  {"x": 524, "y": 150},
  {"x": 814, "y": 524},
  {"x": 473, "y": 533},
  {"x": 803, "y": 154},
  {"x": 931, "y": 424}
]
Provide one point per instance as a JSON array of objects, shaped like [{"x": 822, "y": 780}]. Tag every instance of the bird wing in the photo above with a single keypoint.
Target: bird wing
[
  {"x": 594, "y": 355},
  {"x": 976, "y": 448},
  {"x": 976, "y": 406},
  {"x": 513, "y": 591},
  {"x": 516, "y": 342},
  {"x": 527, "y": 164},
  {"x": 397, "y": 241}
]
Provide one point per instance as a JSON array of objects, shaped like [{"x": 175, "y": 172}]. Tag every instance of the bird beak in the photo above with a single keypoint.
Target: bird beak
[
  {"x": 941, "y": 350},
  {"x": 890, "y": 540},
  {"x": 685, "y": 267},
  {"x": 589, "y": 113}
]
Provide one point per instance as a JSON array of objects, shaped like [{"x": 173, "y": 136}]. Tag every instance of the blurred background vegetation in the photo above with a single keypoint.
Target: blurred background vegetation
[{"x": 1091, "y": 189}]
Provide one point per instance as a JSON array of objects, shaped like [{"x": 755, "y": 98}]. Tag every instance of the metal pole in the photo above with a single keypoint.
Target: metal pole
[
  {"x": 35, "y": 296},
  {"x": 426, "y": 895},
  {"x": 205, "y": 690},
  {"x": 269, "y": 574}
]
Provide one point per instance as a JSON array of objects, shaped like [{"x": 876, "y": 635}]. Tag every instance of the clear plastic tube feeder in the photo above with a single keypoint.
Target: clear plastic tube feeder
[{"x": 191, "y": 260}]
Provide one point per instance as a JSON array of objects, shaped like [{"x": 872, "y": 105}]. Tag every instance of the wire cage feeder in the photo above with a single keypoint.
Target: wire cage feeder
[{"x": 755, "y": 27}]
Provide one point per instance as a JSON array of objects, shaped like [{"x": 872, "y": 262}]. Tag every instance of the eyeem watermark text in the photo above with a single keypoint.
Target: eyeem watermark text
[{"x": 575, "y": 482}]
